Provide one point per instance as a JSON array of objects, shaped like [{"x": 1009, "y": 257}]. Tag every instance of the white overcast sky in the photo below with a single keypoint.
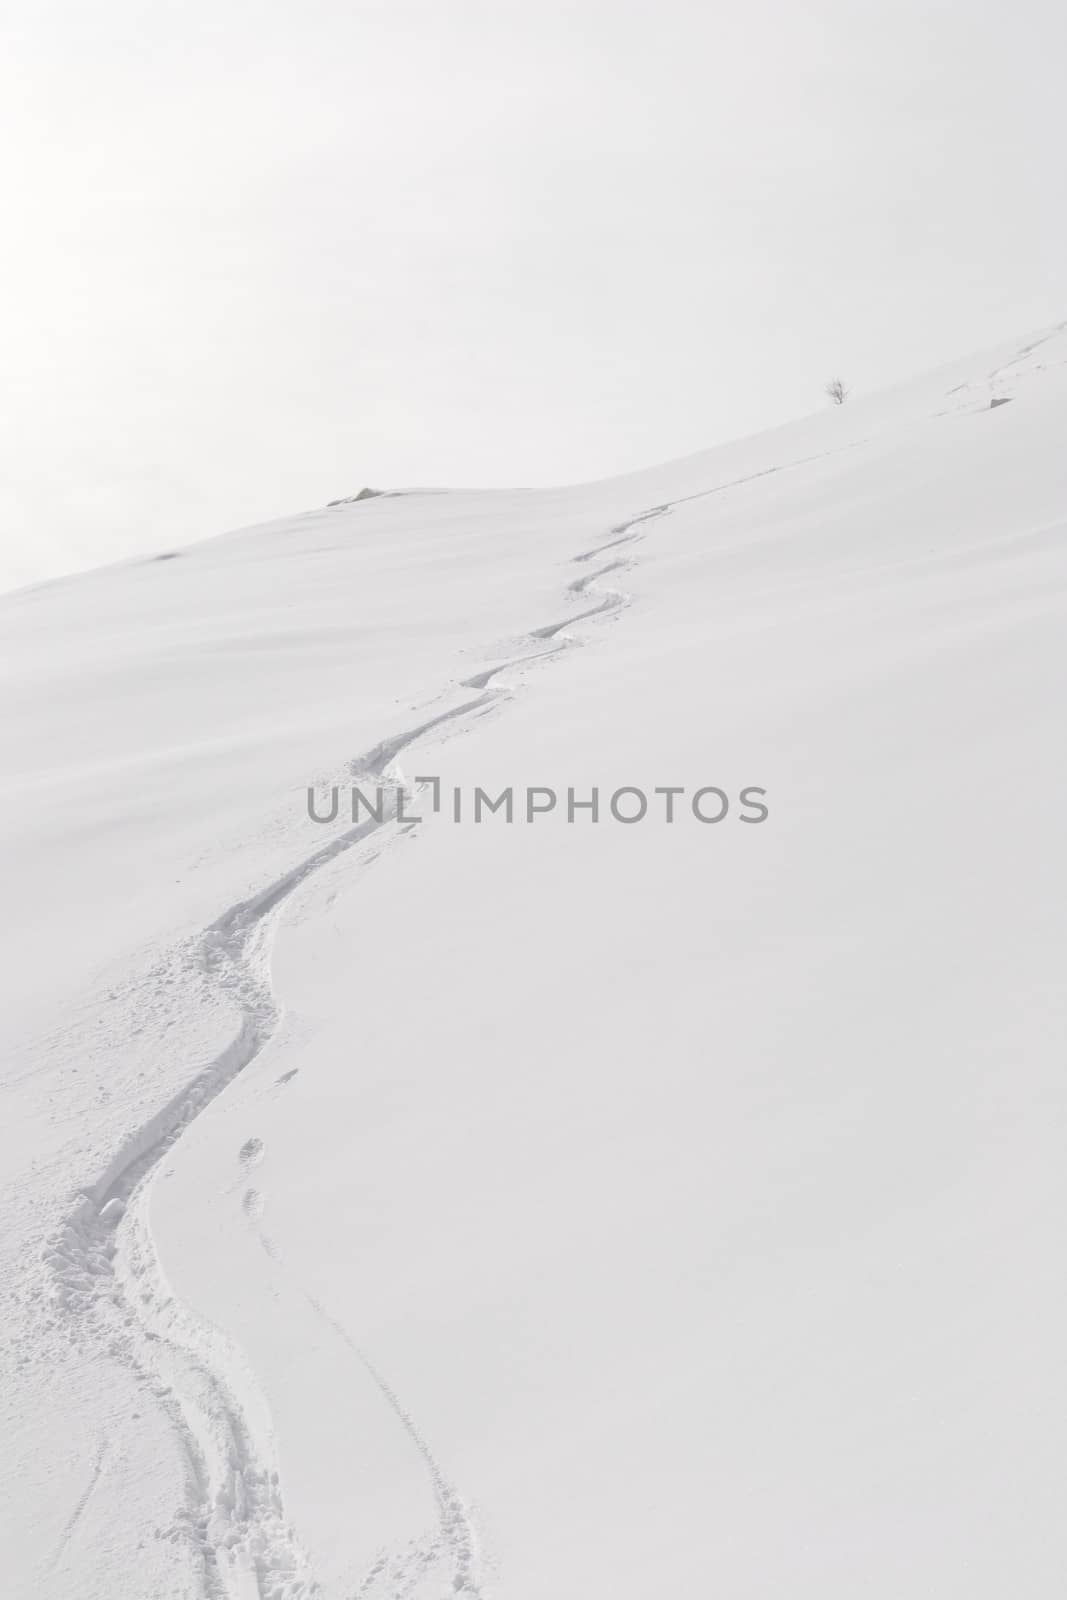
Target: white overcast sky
[{"x": 257, "y": 254}]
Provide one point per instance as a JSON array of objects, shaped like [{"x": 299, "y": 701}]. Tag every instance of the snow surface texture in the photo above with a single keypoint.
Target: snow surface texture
[{"x": 554, "y": 1209}]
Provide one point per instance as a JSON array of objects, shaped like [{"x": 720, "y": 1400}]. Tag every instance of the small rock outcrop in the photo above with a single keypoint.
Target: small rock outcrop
[{"x": 350, "y": 499}]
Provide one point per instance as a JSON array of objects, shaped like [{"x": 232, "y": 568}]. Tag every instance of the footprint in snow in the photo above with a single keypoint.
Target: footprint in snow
[{"x": 251, "y": 1153}]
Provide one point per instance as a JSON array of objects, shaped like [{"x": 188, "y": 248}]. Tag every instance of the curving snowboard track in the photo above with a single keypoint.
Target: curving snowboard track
[
  {"x": 109, "y": 1281},
  {"x": 111, "y": 1286}
]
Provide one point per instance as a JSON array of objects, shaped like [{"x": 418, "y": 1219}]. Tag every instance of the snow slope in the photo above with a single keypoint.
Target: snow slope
[{"x": 420, "y": 1209}]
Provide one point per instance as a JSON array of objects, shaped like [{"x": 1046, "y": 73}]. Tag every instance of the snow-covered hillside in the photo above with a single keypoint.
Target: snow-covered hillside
[{"x": 555, "y": 1206}]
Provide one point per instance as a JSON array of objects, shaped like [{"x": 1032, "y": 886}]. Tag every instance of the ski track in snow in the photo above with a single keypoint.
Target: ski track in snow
[
  {"x": 107, "y": 1276},
  {"x": 71, "y": 1524},
  {"x": 455, "y": 1543}
]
